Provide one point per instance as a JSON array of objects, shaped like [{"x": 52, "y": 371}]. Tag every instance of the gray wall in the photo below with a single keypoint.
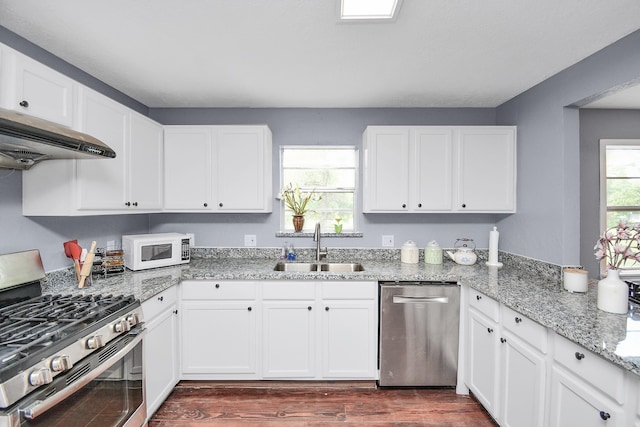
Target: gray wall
[
  {"x": 596, "y": 125},
  {"x": 547, "y": 225},
  {"x": 325, "y": 127}
]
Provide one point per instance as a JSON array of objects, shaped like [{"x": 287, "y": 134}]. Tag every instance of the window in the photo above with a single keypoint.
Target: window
[
  {"x": 330, "y": 171},
  {"x": 620, "y": 185}
]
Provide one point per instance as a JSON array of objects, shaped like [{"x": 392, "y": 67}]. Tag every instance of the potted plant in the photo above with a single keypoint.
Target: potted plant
[{"x": 298, "y": 202}]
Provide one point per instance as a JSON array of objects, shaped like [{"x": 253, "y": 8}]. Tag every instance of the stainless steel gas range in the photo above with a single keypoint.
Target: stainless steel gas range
[{"x": 67, "y": 359}]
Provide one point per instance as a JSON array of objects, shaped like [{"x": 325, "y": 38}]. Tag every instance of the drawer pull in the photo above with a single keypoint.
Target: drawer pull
[
  {"x": 604, "y": 415},
  {"x": 24, "y": 104},
  {"x": 579, "y": 355},
  {"x": 217, "y": 285},
  {"x": 490, "y": 330},
  {"x": 160, "y": 299},
  {"x": 518, "y": 320},
  {"x": 478, "y": 297},
  {"x": 249, "y": 308},
  {"x": 175, "y": 311},
  {"x": 503, "y": 340}
]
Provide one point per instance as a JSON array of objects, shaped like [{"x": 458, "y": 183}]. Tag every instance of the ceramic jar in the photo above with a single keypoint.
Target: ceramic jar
[
  {"x": 433, "y": 253},
  {"x": 613, "y": 293}
]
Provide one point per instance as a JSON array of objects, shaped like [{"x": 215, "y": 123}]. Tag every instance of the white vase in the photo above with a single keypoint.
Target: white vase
[{"x": 613, "y": 293}]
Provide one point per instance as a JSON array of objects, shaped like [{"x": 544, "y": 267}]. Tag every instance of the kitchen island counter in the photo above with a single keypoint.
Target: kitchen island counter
[{"x": 529, "y": 289}]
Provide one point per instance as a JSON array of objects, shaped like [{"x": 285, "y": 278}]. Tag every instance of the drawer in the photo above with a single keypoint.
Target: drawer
[
  {"x": 485, "y": 305},
  {"x": 590, "y": 367},
  {"x": 159, "y": 303},
  {"x": 349, "y": 290},
  {"x": 287, "y": 290},
  {"x": 524, "y": 328},
  {"x": 218, "y": 290}
]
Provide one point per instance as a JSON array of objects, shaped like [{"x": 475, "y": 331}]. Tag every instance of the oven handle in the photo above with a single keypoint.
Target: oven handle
[{"x": 41, "y": 406}]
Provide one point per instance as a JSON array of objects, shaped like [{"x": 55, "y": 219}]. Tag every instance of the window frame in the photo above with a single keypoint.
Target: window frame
[
  {"x": 604, "y": 143},
  {"x": 356, "y": 188}
]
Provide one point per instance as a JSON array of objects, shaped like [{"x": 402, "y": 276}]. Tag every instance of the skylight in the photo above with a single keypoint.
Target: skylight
[{"x": 368, "y": 9}]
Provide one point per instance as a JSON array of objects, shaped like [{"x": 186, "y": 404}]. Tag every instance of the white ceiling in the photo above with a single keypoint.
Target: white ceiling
[{"x": 295, "y": 53}]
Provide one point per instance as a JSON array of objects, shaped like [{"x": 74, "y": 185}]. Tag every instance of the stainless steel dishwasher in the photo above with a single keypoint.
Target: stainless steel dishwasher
[{"x": 419, "y": 328}]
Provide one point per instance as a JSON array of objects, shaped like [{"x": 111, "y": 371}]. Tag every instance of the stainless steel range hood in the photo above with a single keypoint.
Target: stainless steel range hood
[{"x": 26, "y": 141}]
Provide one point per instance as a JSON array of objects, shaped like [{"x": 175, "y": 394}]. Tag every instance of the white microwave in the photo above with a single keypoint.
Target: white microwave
[{"x": 142, "y": 251}]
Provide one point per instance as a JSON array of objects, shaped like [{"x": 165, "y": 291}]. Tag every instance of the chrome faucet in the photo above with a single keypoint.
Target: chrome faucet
[{"x": 316, "y": 238}]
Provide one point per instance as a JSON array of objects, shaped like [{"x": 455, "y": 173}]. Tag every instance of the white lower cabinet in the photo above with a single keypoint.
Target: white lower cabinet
[
  {"x": 290, "y": 330},
  {"x": 586, "y": 390},
  {"x": 160, "y": 347},
  {"x": 219, "y": 330},
  {"x": 506, "y": 367}
]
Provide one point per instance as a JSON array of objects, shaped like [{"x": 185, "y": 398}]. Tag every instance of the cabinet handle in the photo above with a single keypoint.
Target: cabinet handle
[
  {"x": 604, "y": 415},
  {"x": 478, "y": 297},
  {"x": 518, "y": 320},
  {"x": 175, "y": 311},
  {"x": 135, "y": 203},
  {"x": 404, "y": 205},
  {"x": 160, "y": 299},
  {"x": 503, "y": 340},
  {"x": 326, "y": 309},
  {"x": 464, "y": 205},
  {"x": 490, "y": 330},
  {"x": 419, "y": 205},
  {"x": 127, "y": 204},
  {"x": 206, "y": 204},
  {"x": 220, "y": 204},
  {"x": 309, "y": 308},
  {"x": 24, "y": 103},
  {"x": 217, "y": 285},
  {"x": 249, "y": 308},
  {"x": 579, "y": 355}
]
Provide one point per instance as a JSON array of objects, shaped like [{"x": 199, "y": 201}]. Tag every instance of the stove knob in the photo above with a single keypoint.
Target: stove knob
[
  {"x": 40, "y": 377},
  {"x": 121, "y": 326},
  {"x": 133, "y": 319},
  {"x": 94, "y": 342},
  {"x": 61, "y": 363}
]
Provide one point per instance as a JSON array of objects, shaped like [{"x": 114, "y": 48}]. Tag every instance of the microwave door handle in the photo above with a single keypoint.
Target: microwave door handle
[
  {"x": 39, "y": 407},
  {"x": 399, "y": 299}
]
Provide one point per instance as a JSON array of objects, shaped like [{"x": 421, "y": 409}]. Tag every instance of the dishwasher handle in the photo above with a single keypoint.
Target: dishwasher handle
[{"x": 400, "y": 299}]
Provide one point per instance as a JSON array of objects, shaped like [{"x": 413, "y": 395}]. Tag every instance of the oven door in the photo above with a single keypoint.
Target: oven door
[{"x": 105, "y": 389}]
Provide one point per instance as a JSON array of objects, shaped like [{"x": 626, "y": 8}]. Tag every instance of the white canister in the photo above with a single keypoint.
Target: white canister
[
  {"x": 409, "y": 253},
  {"x": 432, "y": 253},
  {"x": 575, "y": 280}
]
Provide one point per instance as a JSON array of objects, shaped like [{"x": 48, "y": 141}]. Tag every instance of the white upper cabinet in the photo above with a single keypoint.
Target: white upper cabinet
[
  {"x": 227, "y": 169},
  {"x": 439, "y": 169},
  {"x": 144, "y": 166},
  {"x": 35, "y": 89}
]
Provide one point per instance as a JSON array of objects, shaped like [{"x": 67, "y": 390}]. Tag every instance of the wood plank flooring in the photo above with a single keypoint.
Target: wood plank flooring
[{"x": 199, "y": 404}]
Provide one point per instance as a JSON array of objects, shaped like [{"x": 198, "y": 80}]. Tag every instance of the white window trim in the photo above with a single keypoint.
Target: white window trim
[
  {"x": 356, "y": 190},
  {"x": 603, "y": 197}
]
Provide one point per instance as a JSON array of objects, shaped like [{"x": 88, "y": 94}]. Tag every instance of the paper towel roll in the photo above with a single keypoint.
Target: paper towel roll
[{"x": 494, "y": 235}]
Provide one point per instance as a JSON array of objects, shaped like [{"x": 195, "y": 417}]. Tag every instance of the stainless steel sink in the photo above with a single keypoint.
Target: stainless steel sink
[{"x": 305, "y": 267}]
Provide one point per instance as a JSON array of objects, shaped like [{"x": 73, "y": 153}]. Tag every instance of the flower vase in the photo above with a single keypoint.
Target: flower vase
[
  {"x": 298, "y": 223},
  {"x": 613, "y": 293}
]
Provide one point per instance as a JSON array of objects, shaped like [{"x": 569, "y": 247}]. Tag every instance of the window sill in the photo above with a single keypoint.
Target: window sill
[{"x": 346, "y": 234}]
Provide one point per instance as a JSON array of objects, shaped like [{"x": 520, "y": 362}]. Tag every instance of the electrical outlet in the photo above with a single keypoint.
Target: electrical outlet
[
  {"x": 387, "y": 240},
  {"x": 250, "y": 240}
]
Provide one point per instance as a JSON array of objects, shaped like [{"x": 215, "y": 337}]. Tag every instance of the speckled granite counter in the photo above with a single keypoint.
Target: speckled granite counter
[{"x": 530, "y": 288}]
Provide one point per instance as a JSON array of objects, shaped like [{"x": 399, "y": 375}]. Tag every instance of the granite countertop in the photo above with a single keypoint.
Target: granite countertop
[{"x": 536, "y": 294}]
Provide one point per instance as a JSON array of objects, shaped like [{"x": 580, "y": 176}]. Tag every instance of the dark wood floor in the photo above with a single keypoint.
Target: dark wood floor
[{"x": 198, "y": 404}]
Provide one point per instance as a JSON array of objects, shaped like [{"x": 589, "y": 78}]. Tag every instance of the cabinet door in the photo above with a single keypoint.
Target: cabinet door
[
  {"x": 102, "y": 183},
  {"x": 432, "y": 169},
  {"x": 187, "y": 168},
  {"x": 241, "y": 179},
  {"x": 486, "y": 165},
  {"x": 219, "y": 337},
  {"x": 574, "y": 403},
  {"x": 523, "y": 385},
  {"x": 386, "y": 169},
  {"x": 42, "y": 92},
  {"x": 288, "y": 347},
  {"x": 349, "y": 339},
  {"x": 483, "y": 361},
  {"x": 161, "y": 358},
  {"x": 145, "y": 164}
]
